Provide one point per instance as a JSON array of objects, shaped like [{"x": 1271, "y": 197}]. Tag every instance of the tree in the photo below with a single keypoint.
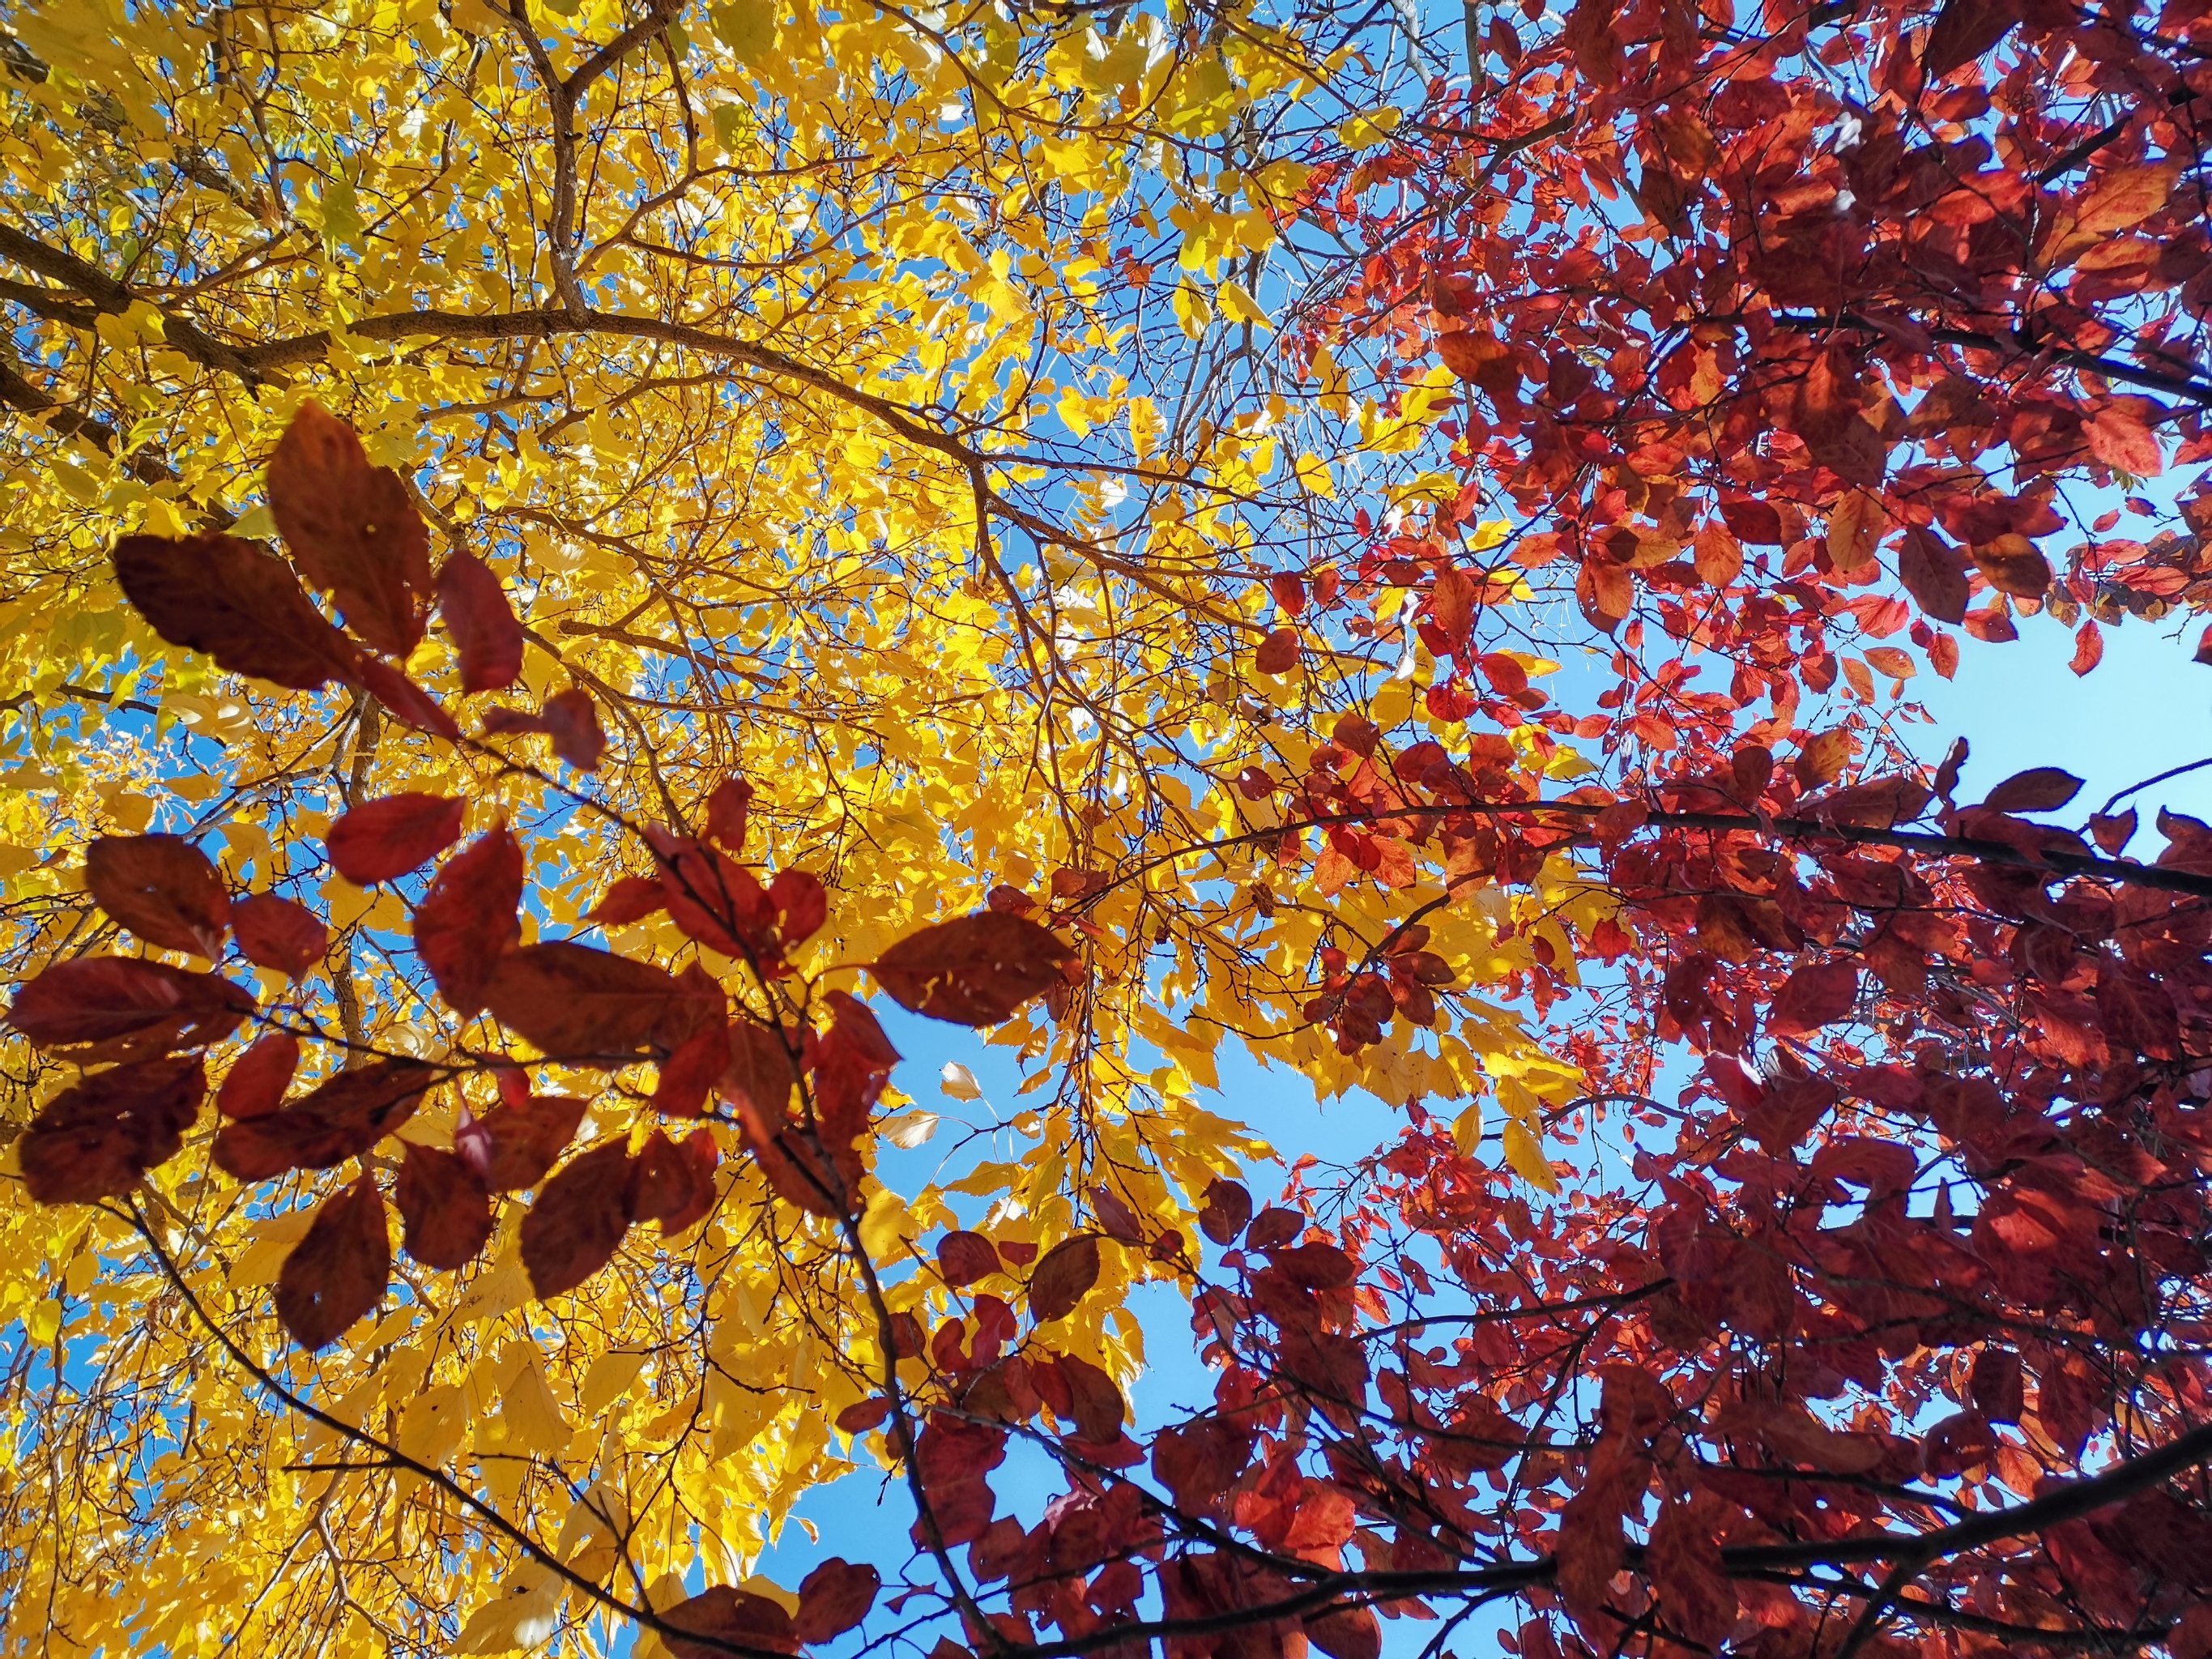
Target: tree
[{"x": 1887, "y": 1330}]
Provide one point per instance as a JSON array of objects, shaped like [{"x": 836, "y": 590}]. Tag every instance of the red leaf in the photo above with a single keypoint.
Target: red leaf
[
  {"x": 225, "y": 598},
  {"x": 1964, "y": 30},
  {"x": 1063, "y": 1278},
  {"x": 445, "y": 1212},
  {"x": 2088, "y": 648},
  {"x": 579, "y": 1220},
  {"x": 977, "y": 970},
  {"x": 728, "y": 810},
  {"x": 278, "y": 932},
  {"x": 833, "y": 1598},
  {"x": 351, "y": 529},
  {"x": 2138, "y": 1011},
  {"x": 801, "y": 904},
  {"x": 467, "y": 922},
  {"x": 103, "y": 1008},
  {"x": 627, "y": 899},
  {"x": 1277, "y": 652},
  {"x": 577, "y": 1003},
  {"x": 254, "y": 1087},
  {"x": 1227, "y": 1208},
  {"x": 729, "y": 1619},
  {"x": 573, "y": 719},
  {"x": 527, "y": 1138},
  {"x": 477, "y": 615},
  {"x": 336, "y": 1274},
  {"x": 162, "y": 888},
  {"x": 2118, "y": 436},
  {"x": 2040, "y": 789},
  {"x": 1288, "y": 590},
  {"x": 1695, "y": 1594},
  {"x": 672, "y": 1181},
  {"x": 758, "y": 1077},
  {"x": 1817, "y": 994},
  {"x": 1094, "y": 1403},
  {"x": 1346, "y": 1632},
  {"x": 1590, "y": 1548},
  {"x": 1934, "y": 574},
  {"x": 341, "y": 1118},
  {"x": 690, "y": 1074},
  {"x": 406, "y": 702},
  {"x": 386, "y": 838},
  {"x": 96, "y": 1140},
  {"x": 964, "y": 1257}
]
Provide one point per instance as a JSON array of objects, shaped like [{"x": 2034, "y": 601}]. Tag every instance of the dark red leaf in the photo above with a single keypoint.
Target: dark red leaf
[
  {"x": 279, "y": 934},
  {"x": 578, "y": 1222},
  {"x": 672, "y": 1181},
  {"x": 964, "y": 1257},
  {"x": 382, "y": 839},
  {"x": 977, "y": 970},
  {"x": 526, "y": 1139},
  {"x": 336, "y": 1274},
  {"x": 1277, "y": 652},
  {"x": 758, "y": 1075},
  {"x": 802, "y": 906},
  {"x": 1063, "y": 1278},
  {"x": 1094, "y": 1402},
  {"x": 103, "y": 1008},
  {"x": 728, "y": 810},
  {"x": 482, "y": 623},
  {"x": 96, "y": 1139},
  {"x": 1346, "y": 1632},
  {"x": 1964, "y": 30},
  {"x": 627, "y": 899},
  {"x": 578, "y": 1003},
  {"x": 860, "y": 1417},
  {"x": 1695, "y": 1596},
  {"x": 729, "y": 1619},
  {"x": 352, "y": 529},
  {"x": 444, "y": 1212},
  {"x": 467, "y": 921},
  {"x": 225, "y": 598},
  {"x": 342, "y": 1117},
  {"x": 406, "y": 702},
  {"x": 1227, "y": 1208},
  {"x": 1817, "y": 994},
  {"x": 573, "y": 719},
  {"x": 833, "y": 1598},
  {"x": 162, "y": 888},
  {"x": 254, "y": 1087},
  {"x": 1934, "y": 574},
  {"x": 2039, "y": 789},
  {"x": 690, "y": 1074}
]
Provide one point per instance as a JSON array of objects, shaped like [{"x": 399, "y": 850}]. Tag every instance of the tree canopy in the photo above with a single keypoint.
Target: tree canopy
[{"x": 563, "y": 558}]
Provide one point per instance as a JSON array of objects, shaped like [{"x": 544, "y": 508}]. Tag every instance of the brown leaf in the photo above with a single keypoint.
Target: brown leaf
[
  {"x": 1934, "y": 574},
  {"x": 2038, "y": 789},
  {"x": 964, "y": 1257},
  {"x": 351, "y": 529},
  {"x": 977, "y": 970},
  {"x": 1227, "y": 1208},
  {"x": 444, "y": 1212},
  {"x": 96, "y": 1139},
  {"x": 336, "y": 1274},
  {"x": 225, "y": 598},
  {"x": 279, "y": 934},
  {"x": 578, "y": 1222},
  {"x": 731, "y": 1618},
  {"x": 482, "y": 623},
  {"x": 833, "y": 1598},
  {"x": 1345, "y": 1633},
  {"x": 1063, "y": 1278},
  {"x": 382, "y": 839},
  {"x": 103, "y": 1008},
  {"x": 254, "y": 1087},
  {"x": 578, "y": 1003},
  {"x": 162, "y": 888},
  {"x": 467, "y": 922},
  {"x": 573, "y": 720},
  {"x": 1817, "y": 994}
]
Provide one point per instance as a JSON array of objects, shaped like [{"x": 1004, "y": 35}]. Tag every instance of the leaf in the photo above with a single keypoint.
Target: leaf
[
  {"x": 2122, "y": 199},
  {"x": 728, "y": 810},
  {"x": 834, "y": 1598},
  {"x": 162, "y": 888},
  {"x": 2088, "y": 648},
  {"x": 1817, "y": 994},
  {"x": 227, "y": 599},
  {"x": 255, "y": 1084},
  {"x": 486, "y": 635},
  {"x": 1063, "y": 1278},
  {"x": 382, "y": 839},
  {"x": 351, "y": 529},
  {"x": 97, "y": 1139},
  {"x": 1964, "y": 31},
  {"x": 977, "y": 970},
  {"x": 672, "y": 1181},
  {"x": 343, "y": 1116},
  {"x": 964, "y": 1257},
  {"x": 579, "y": 1003},
  {"x": 1934, "y": 574},
  {"x": 1346, "y": 1632},
  {"x": 958, "y": 1082},
  {"x": 406, "y": 702},
  {"x": 1277, "y": 652},
  {"x": 1696, "y": 1597},
  {"x": 467, "y": 921},
  {"x": 1226, "y": 1210},
  {"x": 573, "y": 720},
  {"x": 526, "y": 1139},
  {"x": 578, "y": 1222},
  {"x": 445, "y": 1212},
  {"x": 2120, "y": 437},
  {"x": 336, "y": 1275},
  {"x": 279, "y": 934},
  {"x": 104, "y": 1008},
  {"x": 2038, "y": 789},
  {"x": 1096, "y": 1402},
  {"x": 733, "y": 1619}
]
